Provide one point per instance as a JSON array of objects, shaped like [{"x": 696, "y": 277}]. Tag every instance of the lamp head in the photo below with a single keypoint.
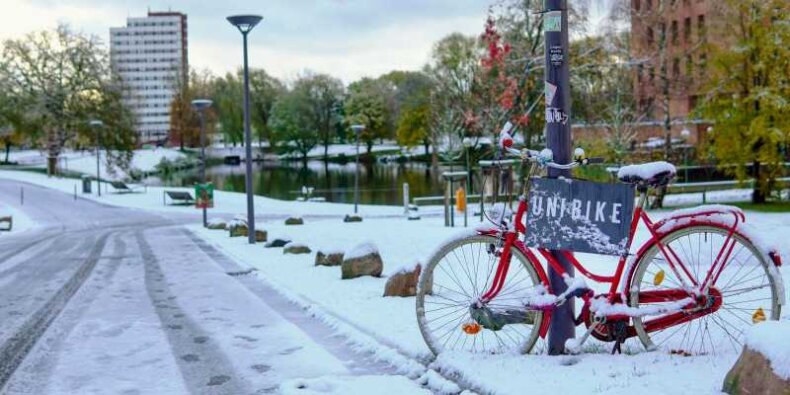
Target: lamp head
[
  {"x": 95, "y": 123},
  {"x": 244, "y": 23},
  {"x": 201, "y": 104}
]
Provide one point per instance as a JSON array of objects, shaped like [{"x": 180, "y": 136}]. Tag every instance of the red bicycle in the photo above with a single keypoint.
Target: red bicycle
[{"x": 693, "y": 287}]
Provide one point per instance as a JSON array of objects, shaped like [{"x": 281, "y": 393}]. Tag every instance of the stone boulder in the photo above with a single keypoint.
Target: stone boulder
[
  {"x": 260, "y": 235},
  {"x": 294, "y": 248},
  {"x": 237, "y": 228},
  {"x": 277, "y": 243},
  {"x": 352, "y": 218},
  {"x": 363, "y": 260},
  {"x": 217, "y": 224},
  {"x": 764, "y": 364},
  {"x": 329, "y": 258},
  {"x": 294, "y": 221},
  {"x": 404, "y": 282}
]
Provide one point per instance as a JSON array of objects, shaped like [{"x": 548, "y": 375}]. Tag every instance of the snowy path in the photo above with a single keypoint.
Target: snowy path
[{"x": 103, "y": 299}]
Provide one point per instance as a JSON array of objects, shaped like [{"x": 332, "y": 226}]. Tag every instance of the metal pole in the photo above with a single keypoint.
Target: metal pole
[
  {"x": 203, "y": 161},
  {"x": 468, "y": 189},
  {"x": 248, "y": 149},
  {"x": 558, "y": 138},
  {"x": 356, "y": 178},
  {"x": 98, "y": 158}
]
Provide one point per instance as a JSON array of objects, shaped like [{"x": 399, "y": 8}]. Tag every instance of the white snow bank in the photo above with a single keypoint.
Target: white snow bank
[
  {"x": 770, "y": 339},
  {"x": 352, "y": 385},
  {"x": 645, "y": 171}
]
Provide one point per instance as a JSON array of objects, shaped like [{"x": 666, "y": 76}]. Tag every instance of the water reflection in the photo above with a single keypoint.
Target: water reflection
[{"x": 379, "y": 183}]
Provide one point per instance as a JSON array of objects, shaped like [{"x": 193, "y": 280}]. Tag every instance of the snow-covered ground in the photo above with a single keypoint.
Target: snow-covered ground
[
  {"x": 388, "y": 327},
  {"x": 85, "y": 161},
  {"x": 21, "y": 222},
  {"x": 392, "y": 321}
]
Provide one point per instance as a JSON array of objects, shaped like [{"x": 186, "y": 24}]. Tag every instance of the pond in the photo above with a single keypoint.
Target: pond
[{"x": 379, "y": 183}]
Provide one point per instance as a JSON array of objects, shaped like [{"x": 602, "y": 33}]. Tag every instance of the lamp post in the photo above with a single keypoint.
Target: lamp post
[
  {"x": 467, "y": 142},
  {"x": 358, "y": 129},
  {"x": 201, "y": 105},
  {"x": 685, "y": 133},
  {"x": 245, "y": 23},
  {"x": 97, "y": 125}
]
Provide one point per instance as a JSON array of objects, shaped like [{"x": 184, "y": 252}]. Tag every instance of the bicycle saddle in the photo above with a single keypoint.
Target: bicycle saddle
[{"x": 653, "y": 174}]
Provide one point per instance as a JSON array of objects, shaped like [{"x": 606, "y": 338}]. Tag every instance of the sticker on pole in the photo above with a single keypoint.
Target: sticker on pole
[
  {"x": 552, "y": 21},
  {"x": 204, "y": 195},
  {"x": 581, "y": 216}
]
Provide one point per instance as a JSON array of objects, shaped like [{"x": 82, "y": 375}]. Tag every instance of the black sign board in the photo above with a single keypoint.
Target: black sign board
[{"x": 581, "y": 216}]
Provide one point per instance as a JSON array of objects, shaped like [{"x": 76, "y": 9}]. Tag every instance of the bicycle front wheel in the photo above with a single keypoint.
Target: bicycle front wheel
[
  {"x": 746, "y": 291},
  {"x": 454, "y": 278}
]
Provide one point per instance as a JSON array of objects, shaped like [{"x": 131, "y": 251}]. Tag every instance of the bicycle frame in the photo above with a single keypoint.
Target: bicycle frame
[{"x": 657, "y": 231}]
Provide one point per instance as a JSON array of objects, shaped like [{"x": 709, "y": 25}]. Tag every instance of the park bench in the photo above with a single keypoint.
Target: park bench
[
  {"x": 122, "y": 187},
  {"x": 178, "y": 197},
  {"x": 6, "y": 223}
]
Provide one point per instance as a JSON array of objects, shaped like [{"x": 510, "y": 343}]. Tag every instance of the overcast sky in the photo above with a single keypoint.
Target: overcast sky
[{"x": 346, "y": 38}]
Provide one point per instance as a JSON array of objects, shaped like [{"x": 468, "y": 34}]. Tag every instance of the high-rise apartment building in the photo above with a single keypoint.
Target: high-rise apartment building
[{"x": 149, "y": 54}]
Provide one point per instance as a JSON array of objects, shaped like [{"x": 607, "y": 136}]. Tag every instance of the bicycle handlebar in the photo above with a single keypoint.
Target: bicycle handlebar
[{"x": 545, "y": 158}]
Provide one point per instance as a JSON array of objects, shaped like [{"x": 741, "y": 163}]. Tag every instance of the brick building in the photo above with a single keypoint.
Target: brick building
[{"x": 668, "y": 39}]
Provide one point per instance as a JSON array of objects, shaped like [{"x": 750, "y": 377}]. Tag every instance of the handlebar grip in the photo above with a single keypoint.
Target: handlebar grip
[{"x": 593, "y": 161}]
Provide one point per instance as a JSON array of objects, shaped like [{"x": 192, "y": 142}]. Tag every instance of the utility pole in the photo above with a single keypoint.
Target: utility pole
[{"x": 558, "y": 138}]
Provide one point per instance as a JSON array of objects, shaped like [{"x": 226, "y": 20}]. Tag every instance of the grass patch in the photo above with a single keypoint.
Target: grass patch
[{"x": 769, "y": 207}]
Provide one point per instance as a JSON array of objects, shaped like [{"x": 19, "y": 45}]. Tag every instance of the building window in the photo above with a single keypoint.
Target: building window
[
  {"x": 690, "y": 67},
  {"x": 648, "y": 5},
  {"x": 687, "y": 29},
  {"x": 652, "y": 73},
  {"x": 662, "y": 31},
  {"x": 674, "y": 32},
  {"x": 701, "y": 27},
  {"x": 636, "y": 5},
  {"x": 649, "y": 37},
  {"x": 703, "y": 64},
  {"x": 640, "y": 69},
  {"x": 676, "y": 67}
]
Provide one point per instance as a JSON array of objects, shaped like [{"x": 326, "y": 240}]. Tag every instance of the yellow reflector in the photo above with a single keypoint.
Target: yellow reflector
[
  {"x": 758, "y": 316},
  {"x": 471, "y": 328},
  {"x": 659, "y": 278}
]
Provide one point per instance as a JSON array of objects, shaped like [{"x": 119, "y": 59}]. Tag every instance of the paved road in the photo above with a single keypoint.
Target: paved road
[{"x": 101, "y": 299}]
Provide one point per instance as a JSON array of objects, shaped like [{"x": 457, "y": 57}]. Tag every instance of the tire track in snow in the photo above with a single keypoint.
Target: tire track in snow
[
  {"x": 41, "y": 359},
  {"x": 14, "y": 350},
  {"x": 203, "y": 365}
]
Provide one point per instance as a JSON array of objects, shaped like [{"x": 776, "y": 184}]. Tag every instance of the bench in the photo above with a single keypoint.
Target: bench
[
  {"x": 122, "y": 187},
  {"x": 6, "y": 223},
  {"x": 177, "y": 198}
]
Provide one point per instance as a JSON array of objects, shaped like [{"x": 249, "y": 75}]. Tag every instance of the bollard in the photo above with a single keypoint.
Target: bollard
[
  {"x": 406, "y": 198},
  {"x": 21, "y": 196},
  {"x": 75, "y": 192}
]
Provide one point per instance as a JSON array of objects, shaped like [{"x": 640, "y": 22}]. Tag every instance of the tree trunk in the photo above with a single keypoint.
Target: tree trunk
[
  {"x": 7, "y": 151},
  {"x": 758, "y": 193},
  {"x": 52, "y": 166},
  {"x": 326, "y": 151}
]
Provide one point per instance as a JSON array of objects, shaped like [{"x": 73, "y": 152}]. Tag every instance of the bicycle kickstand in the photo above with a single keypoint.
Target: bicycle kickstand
[{"x": 574, "y": 346}]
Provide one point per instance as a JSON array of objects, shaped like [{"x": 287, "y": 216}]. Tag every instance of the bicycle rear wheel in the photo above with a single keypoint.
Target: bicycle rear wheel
[
  {"x": 746, "y": 290},
  {"x": 454, "y": 278}
]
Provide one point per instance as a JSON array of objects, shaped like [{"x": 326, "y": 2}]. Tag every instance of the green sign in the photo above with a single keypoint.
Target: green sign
[
  {"x": 552, "y": 21},
  {"x": 204, "y": 195}
]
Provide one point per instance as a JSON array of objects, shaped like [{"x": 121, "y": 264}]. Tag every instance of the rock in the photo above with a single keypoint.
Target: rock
[
  {"x": 260, "y": 235},
  {"x": 352, "y": 218},
  {"x": 238, "y": 230},
  {"x": 363, "y": 260},
  {"x": 294, "y": 221},
  {"x": 328, "y": 258},
  {"x": 277, "y": 243},
  {"x": 404, "y": 283},
  {"x": 752, "y": 374},
  {"x": 414, "y": 216},
  {"x": 6, "y": 223},
  {"x": 294, "y": 248},
  {"x": 216, "y": 224}
]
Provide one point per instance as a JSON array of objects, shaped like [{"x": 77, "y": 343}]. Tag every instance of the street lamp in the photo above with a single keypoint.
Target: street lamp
[
  {"x": 201, "y": 105},
  {"x": 686, "y": 133},
  {"x": 358, "y": 129},
  {"x": 467, "y": 142},
  {"x": 245, "y": 23},
  {"x": 97, "y": 125}
]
